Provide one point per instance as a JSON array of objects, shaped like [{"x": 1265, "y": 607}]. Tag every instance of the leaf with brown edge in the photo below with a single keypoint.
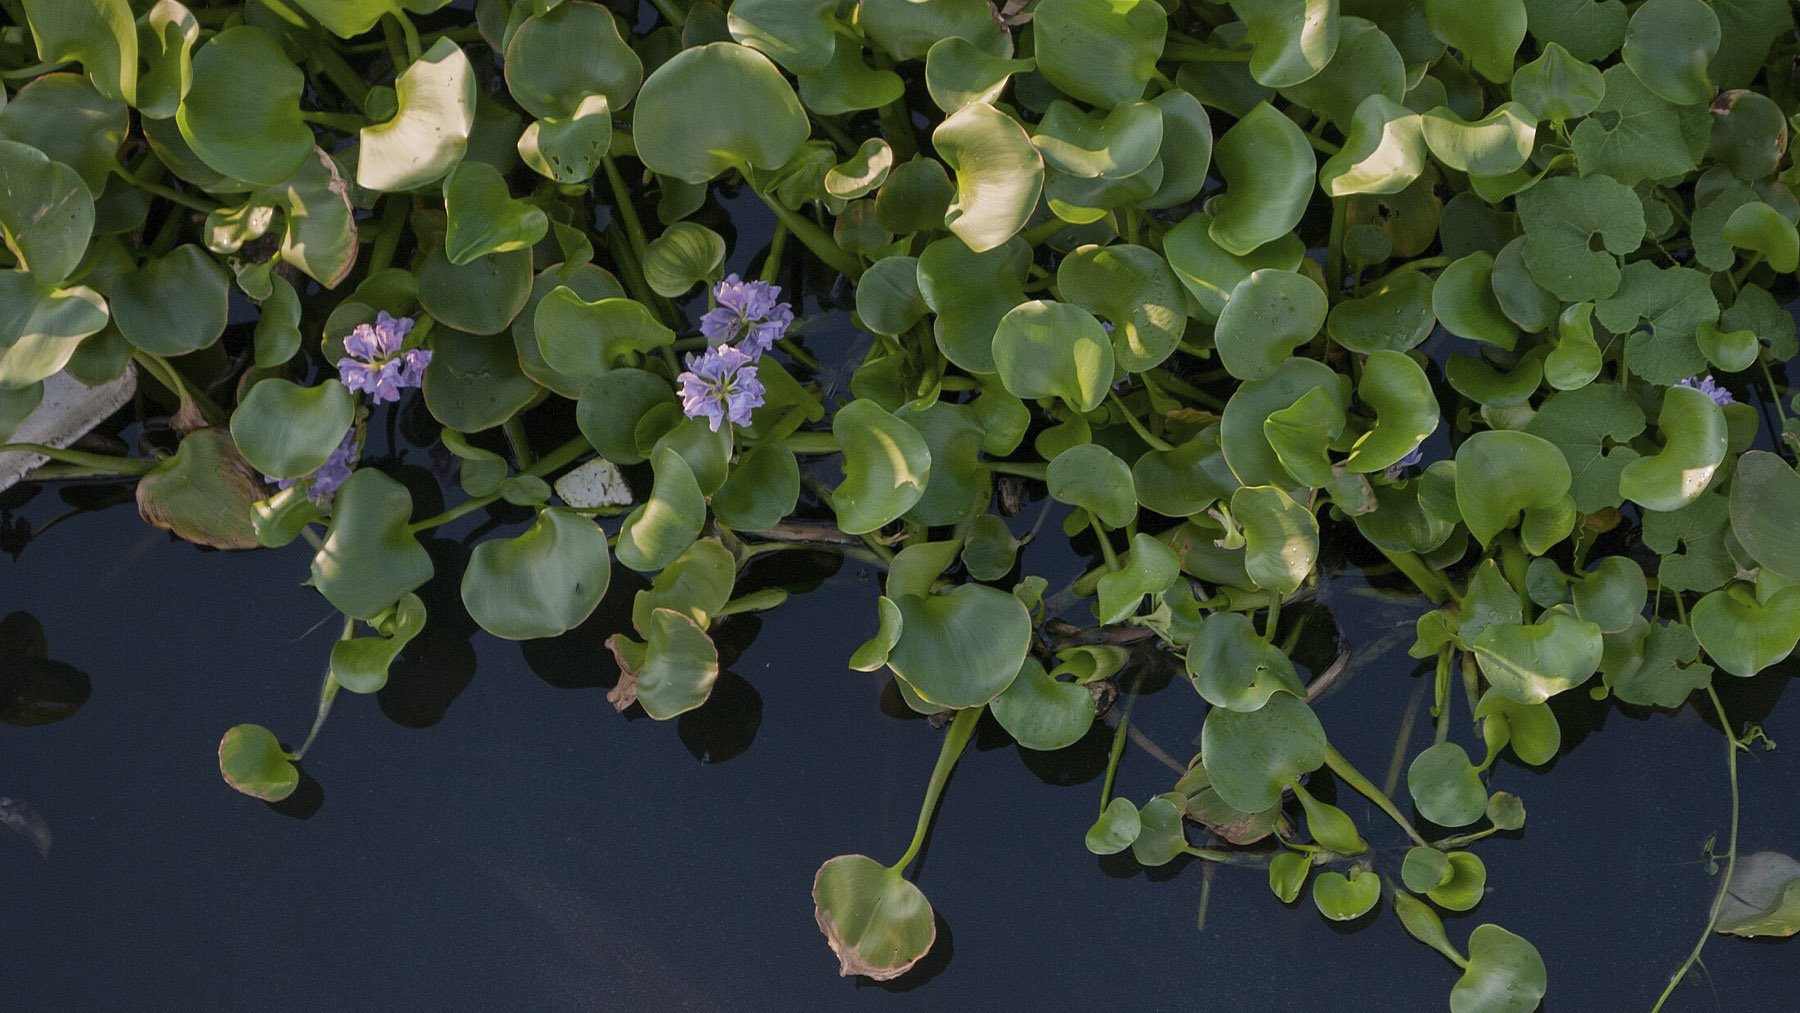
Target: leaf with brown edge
[
  {"x": 629, "y": 655},
  {"x": 204, "y": 492},
  {"x": 877, "y": 923}
]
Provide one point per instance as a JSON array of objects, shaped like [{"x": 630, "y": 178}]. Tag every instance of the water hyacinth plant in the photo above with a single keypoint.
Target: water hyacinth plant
[{"x": 1490, "y": 298}]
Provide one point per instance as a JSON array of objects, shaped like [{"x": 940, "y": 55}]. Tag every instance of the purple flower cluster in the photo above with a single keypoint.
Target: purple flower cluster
[
  {"x": 375, "y": 364},
  {"x": 747, "y": 309},
  {"x": 1711, "y": 388},
  {"x": 333, "y": 473},
  {"x": 721, "y": 385}
]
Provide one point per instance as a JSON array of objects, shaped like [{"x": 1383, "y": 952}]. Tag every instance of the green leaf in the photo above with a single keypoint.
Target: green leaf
[
  {"x": 203, "y": 493},
  {"x": 1042, "y": 713},
  {"x": 907, "y": 30},
  {"x": 1186, "y": 153},
  {"x": 886, "y": 467},
  {"x": 67, "y": 120},
  {"x": 685, "y": 254},
  {"x": 680, "y": 665},
  {"x": 1557, "y": 86},
  {"x": 1118, "y": 826},
  {"x": 1693, "y": 429},
  {"x": 1186, "y": 480},
  {"x": 1406, "y": 411},
  {"x": 1281, "y": 537},
  {"x": 360, "y": 664},
  {"x": 1612, "y": 594},
  {"x": 557, "y": 59},
  {"x": 1268, "y": 169},
  {"x": 41, "y": 327},
  {"x": 961, "y": 648},
  {"x": 1243, "y": 429},
  {"x": 318, "y": 223},
  {"x": 1050, "y": 349},
  {"x": 1592, "y": 427},
  {"x": 1269, "y": 315},
  {"x": 1151, "y": 568},
  {"x": 1634, "y": 135},
  {"x": 1446, "y": 787},
  {"x": 1518, "y": 472},
  {"x": 1531, "y": 663},
  {"x": 1252, "y": 756},
  {"x": 1210, "y": 273},
  {"x": 1494, "y": 145},
  {"x": 287, "y": 431},
  {"x": 760, "y": 490},
  {"x": 1393, "y": 314},
  {"x": 847, "y": 84},
  {"x": 99, "y": 34},
  {"x": 1291, "y": 40},
  {"x": 999, "y": 175},
  {"x": 583, "y": 340},
  {"x": 568, "y": 149},
  {"x": 1093, "y": 478},
  {"x": 1504, "y": 974},
  {"x": 1744, "y": 636},
  {"x": 877, "y": 923},
  {"x": 957, "y": 72},
  {"x": 482, "y": 297},
  {"x": 474, "y": 382},
  {"x": 1488, "y": 34},
  {"x": 252, "y": 761},
  {"x": 167, "y": 39},
  {"x": 1119, "y": 144},
  {"x": 1531, "y": 729},
  {"x": 1589, "y": 29},
  {"x": 1366, "y": 64},
  {"x": 542, "y": 583},
  {"x": 174, "y": 304},
  {"x": 662, "y": 529},
  {"x": 1660, "y": 308},
  {"x": 1668, "y": 45},
  {"x": 798, "y": 34},
  {"x": 860, "y": 174},
  {"x": 1562, "y": 217},
  {"x": 611, "y": 406},
  {"x": 1287, "y": 874},
  {"x": 242, "y": 114},
  {"x": 1765, "y": 497},
  {"x": 1383, "y": 153},
  {"x": 484, "y": 217},
  {"x": 970, "y": 292},
  {"x": 1344, "y": 899},
  {"x": 1102, "y": 52},
  {"x": 1760, "y": 228},
  {"x": 1233, "y": 668},
  {"x": 349, "y": 18},
  {"x": 430, "y": 132},
  {"x": 717, "y": 107},
  {"x": 370, "y": 559},
  {"x": 1763, "y": 898},
  {"x": 1465, "y": 885},
  {"x": 874, "y": 652},
  {"x": 46, "y": 212}
]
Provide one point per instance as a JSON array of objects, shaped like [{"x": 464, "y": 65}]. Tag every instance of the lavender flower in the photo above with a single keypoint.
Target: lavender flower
[
  {"x": 375, "y": 364},
  {"x": 1394, "y": 470},
  {"x": 747, "y": 309},
  {"x": 1711, "y": 388},
  {"x": 333, "y": 473},
  {"x": 720, "y": 386}
]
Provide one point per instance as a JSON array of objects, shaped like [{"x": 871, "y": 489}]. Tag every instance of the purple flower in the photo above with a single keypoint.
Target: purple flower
[
  {"x": 720, "y": 386},
  {"x": 1417, "y": 455},
  {"x": 747, "y": 309},
  {"x": 375, "y": 364},
  {"x": 331, "y": 474},
  {"x": 1711, "y": 388}
]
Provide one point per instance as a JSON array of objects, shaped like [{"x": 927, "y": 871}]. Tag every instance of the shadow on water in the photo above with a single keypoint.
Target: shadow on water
[{"x": 35, "y": 690}]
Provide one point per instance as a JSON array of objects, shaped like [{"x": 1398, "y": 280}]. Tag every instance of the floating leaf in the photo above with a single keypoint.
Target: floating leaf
[
  {"x": 556, "y": 59},
  {"x": 1252, "y": 756},
  {"x": 1102, "y": 52},
  {"x": 877, "y": 923},
  {"x": 1052, "y": 349},
  {"x": 174, "y": 304},
  {"x": 1343, "y": 899},
  {"x": 1504, "y": 974},
  {"x": 717, "y": 107},
  {"x": 1562, "y": 218},
  {"x": 1763, "y": 897},
  {"x": 1634, "y": 135},
  {"x": 370, "y": 559},
  {"x": 1042, "y": 713},
  {"x": 242, "y": 113},
  {"x": 1270, "y": 313},
  {"x": 1693, "y": 429},
  {"x": 1765, "y": 498},
  {"x": 1231, "y": 667},
  {"x": 430, "y": 132},
  {"x": 1531, "y": 663},
  {"x": 252, "y": 761},
  {"x": 1446, "y": 787},
  {"x": 203, "y": 493},
  {"x": 1291, "y": 40},
  {"x": 963, "y": 647},
  {"x": 1668, "y": 45},
  {"x": 1268, "y": 169},
  {"x": 99, "y": 34},
  {"x": 288, "y": 431},
  {"x": 1093, "y": 478},
  {"x": 1383, "y": 154},
  {"x": 886, "y": 467},
  {"x": 1742, "y": 635},
  {"x": 661, "y": 529},
  {"x": 360, "y": 664},
  {"x": 542, "y": 583},
  {"x": 1494, "y": 145},
  {"x": 999, "y": 175},
  {"x": 1518, "y": 472}
]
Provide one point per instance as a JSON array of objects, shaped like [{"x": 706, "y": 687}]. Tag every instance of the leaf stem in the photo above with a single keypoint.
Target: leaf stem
[
  {"x": 1732, "y": 745},
  {"x": 105, "y": 463},
  {"x": 1429, "y": 582},
  {"x": 1024, "y": 469},
  {"x": 554, "y": 460},
  {"x": 165, "y": 192},
  {"x": 962, "y": 727},
  {"x": 1354, "y": 778},
  {"x": 1137, "y": 426},
  {"x": 815, "y": 238}
]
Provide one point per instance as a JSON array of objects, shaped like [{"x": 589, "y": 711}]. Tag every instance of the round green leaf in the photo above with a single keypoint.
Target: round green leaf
[
  {"x": 1344, "y": 899},
  {"x": 888, "y": 300},
  {"x": 46, "y": 212},
  {"x": 1446, "y": 787},
  {"x": 685, "y": 254},
  {"x": 484, "y": 218},
  {"x": 1102, "y": 52},
  {"x": 203, "y": 493},
  {"x": 1532, "y": 663},
  {"x": 1186, "y": 154},
  {"x": 1518, "y": 472},
  {"x": 886, "y": 467},
  {"x": 970, "y": 292},
  {"x": 760, "y": 490},
  {"x": 430, "y": 132},
  {"x": 287, "y": 431},
  {"x": 1291, "y": 40},
  {"x": 958, "y": 72},
  {"x": 1042, "y": 713},
  {"x": 717, "y": 107},
  {"x": 1505, "y": 974},
  {"x": 1252, "y": 756},
  {"x": 1394, "y": 314},
  {"x": 1270, "y": 314},
  {"x": 252, "y": 761},
  {"x": 611, "y": 406},
  {"x": 655, "y": 533},
  {"x": 877, "y": 923},
  {"x": 1557, "y": 86},
  {"x": 1406, "y": 411},
  {"x": 1488, "y": 34},
  {"x": 242, "y": 114},
  {"x": 1762, "y": 229},
  {"x": 1612, "y": 594},
  {"x": 65, "y": 118},
  {"x": 798, "y": 34},
  {"x": 371, "y": 558},
  {"x": 961, "y": 648},
  {"x": 542, "y": 583},
  {"x": 1494, "y": 145},
  {"x": 175, "y": 304},
  {"x": 1118, "y": 826},
  {"x": 999, "y": 174},
  {"x": 1693, "y": 428},
  {"x": 1210, "y": 273},
  {"x": 1668, "y": 45},
  {"x": 1287, "y": 874},
  {"x": 360, "y": 664},
  {"x": 481, "y": 297},
  {"x": 1383, "y": 153},
  {"x": 1234, "y": 668},
  {"x": 1243, "y": 428},
  {"x": 1281, "y": 537},
  {"x": 1268, "y": 169},
  {"x": 568, "y": 149},
  {"x": 41, "y": 327},
  {"x": 1151, "y": 568},
  {"x": 99, "y": 34},
  {"x": 474, "y": 381},
  {"x": 1052, "y": 349},
  {"x": 556, "y": 59},
  {"x": 679, "y": 668},
  {"x": 1091, "y": 477},
  {"x": 1742, "y": 635}
]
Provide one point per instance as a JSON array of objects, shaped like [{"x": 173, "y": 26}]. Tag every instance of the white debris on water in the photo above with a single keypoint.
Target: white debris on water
[
  {"x": 67, "y": 412},
  {"x": 598, "y": 483}
]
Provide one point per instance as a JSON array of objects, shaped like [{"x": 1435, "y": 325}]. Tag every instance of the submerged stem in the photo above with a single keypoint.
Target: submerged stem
[
  {"x": 1732, "y": 745},
  {"x": 962, "y": 727},
  {"x": 555, "y": 459}
]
